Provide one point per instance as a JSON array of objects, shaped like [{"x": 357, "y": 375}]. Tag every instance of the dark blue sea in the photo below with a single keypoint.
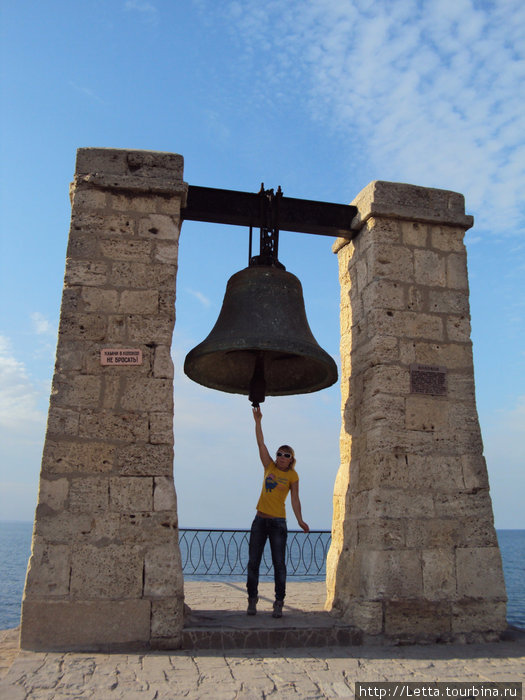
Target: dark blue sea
[{"x": 15, "y": 545}]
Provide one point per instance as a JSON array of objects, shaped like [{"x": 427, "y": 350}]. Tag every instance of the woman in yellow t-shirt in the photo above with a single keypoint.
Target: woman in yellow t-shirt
[{"x": 280, "y": 477}]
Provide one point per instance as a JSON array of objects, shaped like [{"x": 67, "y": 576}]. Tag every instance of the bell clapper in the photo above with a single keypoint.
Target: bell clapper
[{"x": 258, "y": 382}]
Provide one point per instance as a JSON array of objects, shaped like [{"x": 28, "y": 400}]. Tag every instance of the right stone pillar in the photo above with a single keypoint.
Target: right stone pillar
[{"x": 414, "y": 553}]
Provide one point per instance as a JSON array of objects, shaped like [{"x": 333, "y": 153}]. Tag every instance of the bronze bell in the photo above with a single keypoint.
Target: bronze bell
[{"x": 261, "y": 343}]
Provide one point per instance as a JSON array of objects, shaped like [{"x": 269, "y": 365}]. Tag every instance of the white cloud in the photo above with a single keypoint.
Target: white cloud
[
  {"x": 87, "y": 92},
  {"x": 429, "y": 92},
  {"x": 18, "y": 395},
  {"x": 41, "y": 325},
  {"x": 22, "y": 427},
  {"x": 147, "y": 9},
  {"x": 200, "y": 296}
]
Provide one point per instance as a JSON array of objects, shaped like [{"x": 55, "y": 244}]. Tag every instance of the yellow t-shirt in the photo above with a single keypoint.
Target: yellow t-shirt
[{"x": 275, "y": 488}]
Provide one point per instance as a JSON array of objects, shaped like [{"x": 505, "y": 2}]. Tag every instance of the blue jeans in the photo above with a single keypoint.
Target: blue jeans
[{"x": 276, "y": 531}]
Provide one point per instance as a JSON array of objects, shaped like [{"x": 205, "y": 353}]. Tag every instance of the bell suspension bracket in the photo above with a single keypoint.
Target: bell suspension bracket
[{"x": 269, "y": 230}]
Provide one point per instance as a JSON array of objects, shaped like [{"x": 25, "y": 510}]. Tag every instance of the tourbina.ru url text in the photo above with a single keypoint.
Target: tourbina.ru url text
[{"x": 451, "y": 691}]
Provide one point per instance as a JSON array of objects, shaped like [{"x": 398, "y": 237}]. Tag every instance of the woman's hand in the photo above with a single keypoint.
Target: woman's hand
[{"x": 257, "y": 414}]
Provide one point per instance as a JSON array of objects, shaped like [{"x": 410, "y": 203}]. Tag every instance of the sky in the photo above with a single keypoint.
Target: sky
[{"x": 320, "y": 97}]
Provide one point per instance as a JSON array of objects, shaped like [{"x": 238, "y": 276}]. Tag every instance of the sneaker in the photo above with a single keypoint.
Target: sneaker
[
  {"x": 252, "y": 606},
  {"x": 278, "y": 608}
]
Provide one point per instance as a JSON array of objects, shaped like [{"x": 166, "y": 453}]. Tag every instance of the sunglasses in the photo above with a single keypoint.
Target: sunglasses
[{"x": 284, "y": 454}]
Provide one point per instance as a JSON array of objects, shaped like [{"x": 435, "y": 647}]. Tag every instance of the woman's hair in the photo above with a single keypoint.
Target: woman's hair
[{"x": 287, "y": 448}]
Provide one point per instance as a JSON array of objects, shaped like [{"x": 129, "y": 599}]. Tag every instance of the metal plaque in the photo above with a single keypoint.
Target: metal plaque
[
  {"x": 428, "y": 379},
  {"x": 118, "y": 356}
]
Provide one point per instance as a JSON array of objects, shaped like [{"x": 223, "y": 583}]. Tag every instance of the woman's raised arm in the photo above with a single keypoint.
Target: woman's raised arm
[{"x": 263, "y": 450}]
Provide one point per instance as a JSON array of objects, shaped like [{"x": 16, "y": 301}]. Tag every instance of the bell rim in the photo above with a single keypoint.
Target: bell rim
[{"x": 321, "y": 358}]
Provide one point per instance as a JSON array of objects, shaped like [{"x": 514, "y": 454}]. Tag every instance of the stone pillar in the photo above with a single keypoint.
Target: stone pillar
[
  {"x": 414, "y": 554},
  {"x": 105, "y": 568}
]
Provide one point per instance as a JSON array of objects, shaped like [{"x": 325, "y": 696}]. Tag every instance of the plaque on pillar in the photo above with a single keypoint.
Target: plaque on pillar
[
  {"x": 428, "y": 379},
  {"x": 119, "y": 356}
]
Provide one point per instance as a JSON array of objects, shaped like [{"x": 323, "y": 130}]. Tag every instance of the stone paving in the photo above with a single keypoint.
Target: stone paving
[{"x": 307, "y": 672}]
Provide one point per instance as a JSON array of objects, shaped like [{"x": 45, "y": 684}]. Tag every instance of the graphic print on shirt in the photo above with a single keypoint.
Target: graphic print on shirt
[{"x": 270, "y": 483}]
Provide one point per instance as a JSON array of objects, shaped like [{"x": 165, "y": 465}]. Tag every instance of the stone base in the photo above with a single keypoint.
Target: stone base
[
  {"x": 226, "y": 629},
  {"x": 422, "y": 621},
  {"x": 85, "y": 626}
]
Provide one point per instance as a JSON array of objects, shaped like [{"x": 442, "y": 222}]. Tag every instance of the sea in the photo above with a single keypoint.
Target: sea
[{"x": 15, "y": 546}]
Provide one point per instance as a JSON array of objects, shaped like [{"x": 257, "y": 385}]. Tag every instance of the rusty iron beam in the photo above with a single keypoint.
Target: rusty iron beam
[{"x": 244, "y": 209}]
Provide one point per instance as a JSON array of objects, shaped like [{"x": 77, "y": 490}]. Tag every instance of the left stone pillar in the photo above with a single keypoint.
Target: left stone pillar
[{"x": 105, "y": 568}]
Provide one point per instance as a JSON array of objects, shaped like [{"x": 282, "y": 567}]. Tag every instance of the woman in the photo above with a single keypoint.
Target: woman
[{"x": 270, "y": 521}]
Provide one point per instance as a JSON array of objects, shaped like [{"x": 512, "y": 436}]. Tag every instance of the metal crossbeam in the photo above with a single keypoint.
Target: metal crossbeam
[{"x": 244, "y": 209}]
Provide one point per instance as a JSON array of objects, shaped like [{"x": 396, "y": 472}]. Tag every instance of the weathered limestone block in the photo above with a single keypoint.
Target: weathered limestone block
[
  {"x": 62, "y": 421},
  {"x": 458, "y": 329},
  {"x": 408, "y": 324},
  {"x": 162, "y": 568},
  {"x": 145, "y": 460},
  {"x": 166, "y": 253},
  {"x": 102, "y": 223},
  {"x": 429, "y": 268},
  {"x": 479, "y": 572},
  {"x": 88, "y": 494},
  {"x": 449, "y": 238},
  {"x": 113, "y": 427},
  {"x": 424, "y": 413},
  {"x": 414, "y": 234},
  {"x": 75, "y": 326},
  {"x": 161, "y": 226},
  {"x": 125, "y": 250},
  {"x": 111, "y": 572},
  {"x": 383, "y": 293},
  {"x": 451, "y": 355},
  {"x": 473, "y": 619},
  {"x": 439, "y": 574},
  {"x": 414, "y": 548},
  {"x": 474, "y": 472},
  {"x": 53, "y": 493},
  {"x": 147, "y": 394},
  {"x": 163, "y": 364},
  {"x": 393, "y": 262},
  {"x": 149, "y": 329},
  {"x": 51, "y": 563},
  {"x": 410, "y": 620},
  {"x": 381, "y": 533},
  {"x": 71, "y": 456},
  {"x": 81, "y": 391},
  {"x": 132, "y": 494},
  {"x": 447, "y": 301},
  {"x": 390, "y": 574},
  {"x": 61, "y": 527},
  {"x": 96, "y": 299},
  {"x": 117, "y": 331},
  {"x": 144, "y": 301},
  {"x": 77, "y": 625},
  {"x": 167, "y": 620},
  {"x": 140, "y": 275},
  {"x": 107, "y": 501},
  {"x": 457, "y": 277},
  {"x": 160, "y": 428},
  {"x": 145, "y": 528},
  {"x": 164, "y": 496}
]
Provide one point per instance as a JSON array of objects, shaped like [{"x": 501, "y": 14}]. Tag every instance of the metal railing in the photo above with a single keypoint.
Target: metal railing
[{"x": 225, "y": 552}]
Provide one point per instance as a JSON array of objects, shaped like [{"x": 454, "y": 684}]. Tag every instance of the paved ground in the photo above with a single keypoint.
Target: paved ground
[{"x": 308, "y": 672}]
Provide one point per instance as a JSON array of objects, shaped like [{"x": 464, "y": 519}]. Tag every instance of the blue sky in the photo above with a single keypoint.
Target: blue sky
[{"x": 318, "y": 96}]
